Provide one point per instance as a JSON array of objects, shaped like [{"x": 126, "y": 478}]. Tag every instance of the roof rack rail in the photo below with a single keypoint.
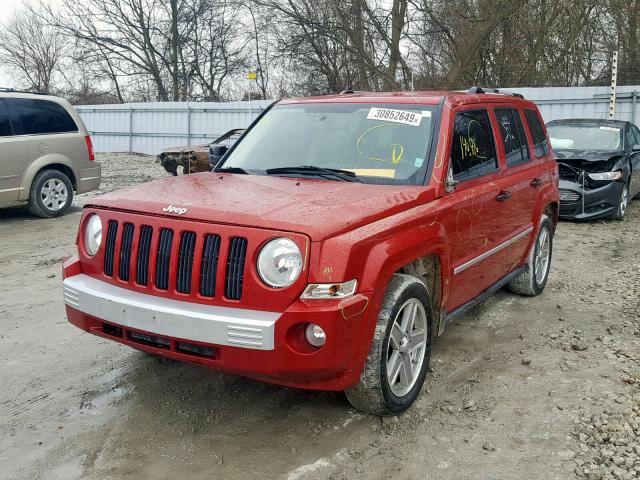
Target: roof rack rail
[
  {"x": 13, "y": 90},
  {"x": 478, "y": 90}
]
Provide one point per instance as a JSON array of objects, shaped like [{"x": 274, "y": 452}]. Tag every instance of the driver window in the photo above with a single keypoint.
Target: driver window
[{"x": 473, "y": 151}]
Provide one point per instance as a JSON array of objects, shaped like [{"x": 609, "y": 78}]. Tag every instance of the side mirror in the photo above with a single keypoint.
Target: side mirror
[
  {"x": 216, "y": 152},
  {"x": 635, "y": 148},
  {"x": 450, "y": 184}
]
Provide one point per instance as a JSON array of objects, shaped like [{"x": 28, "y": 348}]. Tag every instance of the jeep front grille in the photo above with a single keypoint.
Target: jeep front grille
[
  {"x": 110, "y": 247},
  {"x": 125, "y": 251},
  {"x": 235, "y": 268},
  {"x": 137, "y": 248},
  {"x": 209, "y": 265},
  {"x": 185, "y": 262},
  {"x": 163, "y": 258},
  {"x": 144, "y": 249}
]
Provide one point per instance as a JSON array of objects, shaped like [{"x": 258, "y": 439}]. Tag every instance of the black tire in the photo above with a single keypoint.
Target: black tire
[
  {"x": 373, "y": 393},
  {"x": 38, "y": 205},
  {"x": 623, "y": 203},
  {"x": 526, "y": 283}
]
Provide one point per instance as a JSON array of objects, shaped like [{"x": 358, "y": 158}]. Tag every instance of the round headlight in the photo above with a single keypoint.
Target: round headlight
[
  {"x": 93, "y": 234},
  {"x": 280, "y": 262}
]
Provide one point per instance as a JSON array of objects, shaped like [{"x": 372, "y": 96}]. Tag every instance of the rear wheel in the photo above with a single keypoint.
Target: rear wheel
[
  {"x": 532, "y": 280},
  {"x": 51, "y": 194},
  {"x": 398, "y": 359}
]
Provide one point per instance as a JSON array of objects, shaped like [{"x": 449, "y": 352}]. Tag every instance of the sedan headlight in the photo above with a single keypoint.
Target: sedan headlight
[
  {"x": 280, "y": 262},
  {"x": 93, "y": 234},
  {"x": 606, "y": 176}
]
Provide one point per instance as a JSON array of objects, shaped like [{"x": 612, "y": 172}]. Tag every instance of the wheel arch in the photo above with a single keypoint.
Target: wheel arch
[
  {"x": 47, "y": 162},
  {"x": 428, "y": 269}
]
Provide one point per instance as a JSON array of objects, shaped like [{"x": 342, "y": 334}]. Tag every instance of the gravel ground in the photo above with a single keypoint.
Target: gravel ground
[{"x": 532, "y": 388}]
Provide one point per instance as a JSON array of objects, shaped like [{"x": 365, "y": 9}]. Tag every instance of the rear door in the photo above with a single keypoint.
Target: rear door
[
  {"x": 519, "y": 183},
  {"x": 14, "y": 157}
]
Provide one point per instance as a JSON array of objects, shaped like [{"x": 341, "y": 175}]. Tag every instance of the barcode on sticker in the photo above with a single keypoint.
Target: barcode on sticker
[{"x": 397, "y": 116}]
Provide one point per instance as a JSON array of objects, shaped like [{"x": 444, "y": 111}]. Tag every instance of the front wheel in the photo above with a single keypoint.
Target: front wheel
[
  {"x": 533, "y": 278},
  {"x": 398, "y": 359},
  {"x": 623, "y": 203}
]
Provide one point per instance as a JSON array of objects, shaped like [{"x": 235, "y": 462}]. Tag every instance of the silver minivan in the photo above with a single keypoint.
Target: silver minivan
[{"x": 45, "y": 153}]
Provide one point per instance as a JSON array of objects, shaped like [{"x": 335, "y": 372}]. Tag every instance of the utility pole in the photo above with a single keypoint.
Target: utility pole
[{"x": 614, "y": 80}]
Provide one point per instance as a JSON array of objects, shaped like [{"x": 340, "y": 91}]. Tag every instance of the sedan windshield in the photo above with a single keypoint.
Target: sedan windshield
[
  {"x": 370, "y": 143},
  {"x": 585, "y": 137}
]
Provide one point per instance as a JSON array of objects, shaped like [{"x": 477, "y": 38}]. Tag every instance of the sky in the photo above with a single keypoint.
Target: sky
[{"x": 7, "y": 7}]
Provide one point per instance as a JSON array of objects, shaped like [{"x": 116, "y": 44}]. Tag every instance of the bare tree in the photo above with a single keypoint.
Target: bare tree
[{"x": 32, "y": 49}]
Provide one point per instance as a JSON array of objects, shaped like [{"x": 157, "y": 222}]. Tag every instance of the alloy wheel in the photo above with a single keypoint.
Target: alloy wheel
[
  {"x": 543, "y": 254},
  {"x": 406, "y": 347},
  {"x": 54, "y": 194},
  {"x": 624, "y": 200}
]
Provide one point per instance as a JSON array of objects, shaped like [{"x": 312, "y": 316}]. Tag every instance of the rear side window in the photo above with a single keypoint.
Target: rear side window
[
  {"x": 513, "y": 136},
  {"x": 5, "y": 122},
  {"x": 537, "y": 132},
  {"x": 42, "y": 117},
  {"x": 473, "y": 151}
]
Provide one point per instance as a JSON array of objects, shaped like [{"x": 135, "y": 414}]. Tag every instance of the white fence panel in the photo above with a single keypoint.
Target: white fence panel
[
  {"x": 583, "y": 102},
  {"x": 151, "y": 127}
]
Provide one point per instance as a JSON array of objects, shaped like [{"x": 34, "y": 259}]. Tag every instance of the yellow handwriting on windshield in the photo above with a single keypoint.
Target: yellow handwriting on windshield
[{"x": 397, "y": 150}]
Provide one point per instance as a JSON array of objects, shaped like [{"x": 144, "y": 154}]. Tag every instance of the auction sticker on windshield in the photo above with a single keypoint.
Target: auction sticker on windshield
[{"x": 397, "y": 116}]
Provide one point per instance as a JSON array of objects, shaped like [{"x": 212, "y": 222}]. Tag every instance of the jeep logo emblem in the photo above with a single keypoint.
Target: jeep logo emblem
[{"x": 172, "y": 209}]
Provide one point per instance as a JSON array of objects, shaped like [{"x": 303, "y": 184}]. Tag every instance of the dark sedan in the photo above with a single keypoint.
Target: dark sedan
[{"x": 599, "y": 163}]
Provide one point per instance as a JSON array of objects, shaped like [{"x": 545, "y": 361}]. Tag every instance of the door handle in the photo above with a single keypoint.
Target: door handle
[
  {"x": 536, "y": 182},
  {"x": 503, "y": 196}
]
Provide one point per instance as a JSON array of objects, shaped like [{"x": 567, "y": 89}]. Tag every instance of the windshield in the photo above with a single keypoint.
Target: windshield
[
  {"x": 378, "y": 143},
  {"x": 585, "y": 137}
]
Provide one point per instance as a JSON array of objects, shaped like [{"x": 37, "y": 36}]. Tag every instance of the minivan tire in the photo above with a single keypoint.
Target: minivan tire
[
  {"x": 528, "y": 282},
  {"x": 56, "y": 184},
  {"x": 374, "y": 393}
]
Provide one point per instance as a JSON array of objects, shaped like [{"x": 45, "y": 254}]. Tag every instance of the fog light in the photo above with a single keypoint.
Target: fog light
[{"x": 315, "y": 335}]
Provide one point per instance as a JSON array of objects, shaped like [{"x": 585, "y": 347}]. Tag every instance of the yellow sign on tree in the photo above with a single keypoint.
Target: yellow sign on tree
[{"x": 251, "y": 75}]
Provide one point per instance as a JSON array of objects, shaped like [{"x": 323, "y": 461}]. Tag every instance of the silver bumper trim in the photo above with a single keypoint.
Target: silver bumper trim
[{"x": 235, "y": 327}]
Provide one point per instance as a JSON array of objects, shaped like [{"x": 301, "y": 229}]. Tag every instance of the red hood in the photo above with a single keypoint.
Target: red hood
[{"x": 315, "y": 207}]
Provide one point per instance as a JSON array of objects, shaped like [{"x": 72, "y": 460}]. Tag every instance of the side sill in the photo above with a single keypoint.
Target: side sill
[{"x": 448, "y": 317}]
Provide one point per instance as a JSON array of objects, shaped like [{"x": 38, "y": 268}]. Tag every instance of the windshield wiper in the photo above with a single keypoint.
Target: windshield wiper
[
  {"x": 230, "y": 170},
  {"x": 312, "y": 170}
]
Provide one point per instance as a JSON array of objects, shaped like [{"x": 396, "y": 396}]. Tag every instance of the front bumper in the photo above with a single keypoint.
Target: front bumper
[
  {"x": 588, "y": 204},
  {"x": 267, "y": 346}
]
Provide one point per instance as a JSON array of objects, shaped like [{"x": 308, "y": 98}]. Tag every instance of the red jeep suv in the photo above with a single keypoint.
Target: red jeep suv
[{"x": 330, "y": 244}]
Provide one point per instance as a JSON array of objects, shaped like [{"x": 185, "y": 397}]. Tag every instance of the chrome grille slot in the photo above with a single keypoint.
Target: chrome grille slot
[
  {"x": 125, "y": 250},
  {"x": 110, "y": 247},
  {"x": 144, "y": 249},
  {"x": 235, "y": 268},
  {"x": 185, "y": 262},
  {"x": 209, "y": 265},
  {"x": 163, "y": 260}
]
